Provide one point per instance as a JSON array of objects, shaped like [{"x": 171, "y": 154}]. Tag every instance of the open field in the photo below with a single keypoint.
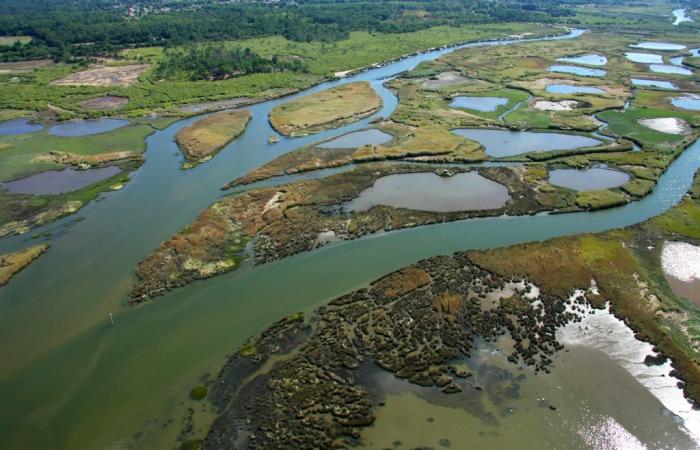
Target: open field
[
  {"x": 104, "y": 76},
  {"x": 23, "y": 66},
  {"x": 201, "y": 140},
  {"x": 324, "y": 110}
]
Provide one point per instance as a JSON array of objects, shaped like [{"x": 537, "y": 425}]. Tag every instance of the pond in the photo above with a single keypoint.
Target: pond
[
  {"x": 500, "y": 143},
  {"x": 681, "y": 16},
  {"x": 572, "y": 89},
  {"x": 680, "y": 262},
  {"x": 644, "y": 58},
  {"x": 86, "y": 127},
  {"x": 654, "y": 83},
  {"x": 688, "y": 101},
  {"x": 19, "y": 126},
  {"x": 358, "y": 139},
  {"x": 664, "y": 46},
  {"x": 591, "y": 59},
  {"x": 54, "y": 182},
  {"x": 666, "y": 68},
  {"x": 582, "y": 71},
  {"x": 589, "y": 179},
  {"x": 483, "y": 104},
  {"x": 431, "y": 192}
]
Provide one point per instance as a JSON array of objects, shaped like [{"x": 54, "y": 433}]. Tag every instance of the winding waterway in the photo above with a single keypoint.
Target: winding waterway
[{"x": 71, "y": 380}]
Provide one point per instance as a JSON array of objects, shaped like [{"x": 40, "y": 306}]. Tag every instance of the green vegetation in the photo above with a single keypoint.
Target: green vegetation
[
  {"x": 198, "y": 392},
  {"x": 201, "y": 140},
  {"x": 210, "y": 62},
  {"x": 626, "y": 124},
  {"x": 599, "y": 199},
  {"x": 248, "y": 350}
]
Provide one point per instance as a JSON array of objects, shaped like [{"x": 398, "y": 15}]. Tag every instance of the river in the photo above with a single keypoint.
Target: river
[{"x": 70, "y": 380}]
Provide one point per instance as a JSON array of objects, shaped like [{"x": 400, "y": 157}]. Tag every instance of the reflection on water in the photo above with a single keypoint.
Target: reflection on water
[
  {"x": 499, "y": 143},
  {"x": 431, "y": 192}
]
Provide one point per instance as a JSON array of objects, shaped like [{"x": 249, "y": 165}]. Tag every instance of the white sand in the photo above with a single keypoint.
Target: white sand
[
  {"x": 681, "y": 260},
  {"x": 564, "y": 105},
  {"x": 669, "y": 125}
]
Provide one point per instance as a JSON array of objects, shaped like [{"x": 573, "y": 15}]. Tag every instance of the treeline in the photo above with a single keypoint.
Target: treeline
[
  {"x": 95, "y": 27},
  {"x": 210, "y": 62}
]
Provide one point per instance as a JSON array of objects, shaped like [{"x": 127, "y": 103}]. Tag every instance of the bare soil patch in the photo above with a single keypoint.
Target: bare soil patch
[
  {"x": 105, "y": 103},
  {"x": 104, "y": 76}
]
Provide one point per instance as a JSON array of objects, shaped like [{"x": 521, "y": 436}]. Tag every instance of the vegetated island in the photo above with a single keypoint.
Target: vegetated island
[
  {"x": 327, "y": 109},
  {"x": 202, "y": 140},
  {"x": 317, "y": 392},
  {"x": 13, "y": 263}
]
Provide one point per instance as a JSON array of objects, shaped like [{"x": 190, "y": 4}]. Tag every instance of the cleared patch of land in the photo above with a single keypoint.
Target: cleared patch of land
[
  {"x": 21, "y": 66},
  {"x": 104, "y": 76},
  {"x": 12, "y": 263},
  {"x": 105, "y": 103},
  {"x": 201, "y": 140},
  {"x": 327, "y": 109}
]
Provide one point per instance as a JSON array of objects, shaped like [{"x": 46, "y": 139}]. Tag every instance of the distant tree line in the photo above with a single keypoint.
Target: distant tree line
[
  {"x": 63, "y": 29},
  {"x": 210, "y": 62}
]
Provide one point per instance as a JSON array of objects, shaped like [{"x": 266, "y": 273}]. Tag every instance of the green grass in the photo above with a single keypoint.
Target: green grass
[
  {"x": 11, "y": 40},
  {"x": 198, "y": 392},
  {"x": 625, "y": 124},
  {"x": 599, "y": 199}
]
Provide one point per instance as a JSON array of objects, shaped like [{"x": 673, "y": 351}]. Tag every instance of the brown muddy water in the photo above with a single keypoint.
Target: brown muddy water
[{"x": 431, "y": 192}]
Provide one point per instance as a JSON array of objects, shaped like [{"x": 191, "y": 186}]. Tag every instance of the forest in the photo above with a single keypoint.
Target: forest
[
  {"x": 64, "y": 30},
  {"x": 210, "y": 62}
]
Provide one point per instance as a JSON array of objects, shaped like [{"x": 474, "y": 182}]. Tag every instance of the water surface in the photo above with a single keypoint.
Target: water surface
[
  {"x": 589, "y": 179},
  {"x": 688, "y": 101},
  {"x": 572, "y": 89},
  {"x": 654, "y": 83},
  {"x": 19, "y": 126},
  {"x": 681, "y": 16},
  {"x": 582, "y": 71},
  {"x": 431, "y": 192},
  {"x": 60, "y": 181},
  {"x": 358, "y": 139},
  {"x": 664, "y": 46},
  {"x": 500, "y": 143},
  {"x": 666, "y": 68},
  {"x": 591, "y": 59},
  {"x": 644, "y": 58},
  {"x": 86, "y": 127},
  {"x": 483, "y": 104}
]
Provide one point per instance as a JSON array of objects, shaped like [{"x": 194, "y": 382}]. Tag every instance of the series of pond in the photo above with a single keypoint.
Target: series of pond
[
  {"x": 358, "y": 139},
  {"x": 591, "y": 59},
  {"x": 573, "y": 89},
  {"x": 582, "y": 71},
  {"x": 54, "y": 182},
  {"x": 501, "y": 143},
  {"x": 483, "y": 104},
  {"x": 431, "y": 192},
  {"x": 591, "y": 179},
  {"x": 19, "y": 126},
  {"x": 72, "y": 380}
]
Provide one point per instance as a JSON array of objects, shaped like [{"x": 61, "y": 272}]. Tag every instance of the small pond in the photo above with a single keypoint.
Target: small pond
[
  {"x": 592, "y": 59},
  {"x": 60, "y": 181},
  {"x": 654, "y": 83},
  {"x": 666, "y": 68},
  {"x": 664, "y": 46},
  {"x": 644, "y": 58},
  {"x": 19, "y": 126},
  {"x": 86, "y": 127},
  {"x": 582, "y": 71},
  {"x": 484, "y": 104},
  {"x": 431, "y": 192},
  {"x": 571, "y": 89},
  {"x": 680, "y": 263},
  {"x": 680, "y": 16},
  {"x": 589, "y": 179},
  {"x": 688, "y": 101},
  {"x": 358, "y": 139},
  {"x": 500, "y": 143}
]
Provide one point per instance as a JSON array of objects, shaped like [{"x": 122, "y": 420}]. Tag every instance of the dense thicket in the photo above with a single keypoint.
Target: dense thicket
[
  {"x": 62, "y": 28},
  {"x": 210, "y": 62}
]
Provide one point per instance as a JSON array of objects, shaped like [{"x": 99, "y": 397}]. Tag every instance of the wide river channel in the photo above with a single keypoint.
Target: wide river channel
[{"x": 68, "y": 379}]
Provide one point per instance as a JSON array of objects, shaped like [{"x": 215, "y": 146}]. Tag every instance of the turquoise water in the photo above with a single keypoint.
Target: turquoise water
[
  {"x": 19, "y": 126},
  {"x": 688, "y": 101},
  {"x": 591, "y": 59},
  {"x": 583, "y": 71},
  {"x": 571, "y": 89},
  {"x": 644, "y": 58}
]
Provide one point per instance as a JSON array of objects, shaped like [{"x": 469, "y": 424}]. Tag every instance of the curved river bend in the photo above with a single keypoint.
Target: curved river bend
[{"x": 70, "y": 380}]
